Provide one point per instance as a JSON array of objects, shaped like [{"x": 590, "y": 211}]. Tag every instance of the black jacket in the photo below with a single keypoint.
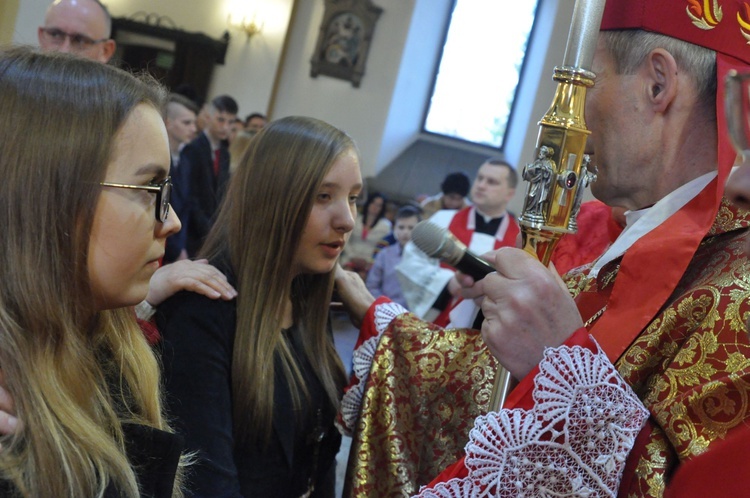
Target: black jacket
[
  {"x": 154, "y": 455},
  {"x": 197, "y": 344}
]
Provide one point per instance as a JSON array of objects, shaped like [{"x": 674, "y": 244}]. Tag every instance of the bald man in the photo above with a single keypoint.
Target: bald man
[{"x": 81, "y": 27}]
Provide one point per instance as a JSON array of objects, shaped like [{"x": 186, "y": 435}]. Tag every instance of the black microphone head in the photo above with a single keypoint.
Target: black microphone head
[{"x": 428, "y": 237}]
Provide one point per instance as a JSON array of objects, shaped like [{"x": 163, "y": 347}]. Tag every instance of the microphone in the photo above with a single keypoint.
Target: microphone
[{"x": 438, "y": 243}]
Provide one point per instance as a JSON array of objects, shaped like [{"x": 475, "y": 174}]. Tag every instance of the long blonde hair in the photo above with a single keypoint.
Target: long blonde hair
[
  {"x": 259, "y": 228},
  {"x": 76, "y": 374}
]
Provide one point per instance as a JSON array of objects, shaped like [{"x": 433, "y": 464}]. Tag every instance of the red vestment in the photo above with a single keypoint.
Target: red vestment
[{"x": 689, "y": 365}]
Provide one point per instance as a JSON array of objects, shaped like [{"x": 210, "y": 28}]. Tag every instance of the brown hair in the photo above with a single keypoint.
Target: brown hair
[
  {"x": 512, "y": 174},
  {"x": 270, "y": 199},
  {"x": 76, "y": 374}
]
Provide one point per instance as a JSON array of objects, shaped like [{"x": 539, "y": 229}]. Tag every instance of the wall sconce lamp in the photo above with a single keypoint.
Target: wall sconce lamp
[{"x": 250, "y": 28}]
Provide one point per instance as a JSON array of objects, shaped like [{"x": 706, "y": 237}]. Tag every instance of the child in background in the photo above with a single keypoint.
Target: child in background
[{"x": 382, "y": 280}]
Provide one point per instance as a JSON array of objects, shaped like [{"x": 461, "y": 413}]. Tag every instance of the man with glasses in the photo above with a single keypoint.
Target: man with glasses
[{"x": 80, "y": 27}]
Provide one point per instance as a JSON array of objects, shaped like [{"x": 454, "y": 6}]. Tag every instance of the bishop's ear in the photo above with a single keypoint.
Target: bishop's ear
[{"x": 660, "y": 68}]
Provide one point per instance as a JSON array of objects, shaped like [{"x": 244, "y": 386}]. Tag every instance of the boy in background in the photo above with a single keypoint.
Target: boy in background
[{"x": 382, "y": 279}]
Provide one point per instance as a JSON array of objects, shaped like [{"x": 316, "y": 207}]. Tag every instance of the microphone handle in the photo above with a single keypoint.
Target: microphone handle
[{"x": 474, "y": 266}]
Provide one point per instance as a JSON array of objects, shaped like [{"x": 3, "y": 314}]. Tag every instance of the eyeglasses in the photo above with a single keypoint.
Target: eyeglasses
[
  {"x": 163, "y": 190},
  {"x": 78, "y": 41},
  {"x": 737, "y": 108}
]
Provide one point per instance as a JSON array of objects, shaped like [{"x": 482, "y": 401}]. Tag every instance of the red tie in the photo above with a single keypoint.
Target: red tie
[{"x": 216, "y": 162}]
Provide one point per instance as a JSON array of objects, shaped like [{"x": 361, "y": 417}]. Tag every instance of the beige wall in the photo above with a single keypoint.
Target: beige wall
[
  {"x": 378, "y": 114},
  {"x": 362, "y": 111},
  {"x": 8, "y": 13}
]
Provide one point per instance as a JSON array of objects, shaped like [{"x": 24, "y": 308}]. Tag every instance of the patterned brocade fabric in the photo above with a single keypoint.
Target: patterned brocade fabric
[
  {"x": 426, "y": 387},
  {"x": 690, "y": 367}
]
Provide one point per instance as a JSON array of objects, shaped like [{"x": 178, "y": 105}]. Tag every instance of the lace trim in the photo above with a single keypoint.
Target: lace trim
[
  {"x": 385, "y": 313},
  {"x": 574, "y": 442},
  {"x": 361, "y": 362}
]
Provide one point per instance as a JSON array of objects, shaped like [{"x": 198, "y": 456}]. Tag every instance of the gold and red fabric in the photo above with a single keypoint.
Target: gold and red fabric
[{"x": 690, "y": 366}]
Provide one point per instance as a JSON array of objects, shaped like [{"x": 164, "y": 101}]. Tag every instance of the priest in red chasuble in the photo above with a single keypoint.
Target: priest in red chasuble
[{"x": 647, "y": 366}]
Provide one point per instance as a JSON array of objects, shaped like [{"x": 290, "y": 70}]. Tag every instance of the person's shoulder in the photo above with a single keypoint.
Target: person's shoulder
[
  {"x": 444, "y": 217},
  {"x": 204, "y": 322},
  {"x": 396, "y": 248},
  {"x": 390, "y": 250},
  {"x": 594, "y": 209},
  {"x": 189, "y": 306},
  {"x": 433, "y": 200},
  {"x": 385, "y": 222},
  {"x": 190, "y": 299},
  {"x": 393, "y": 254},
  {"x": 196, "y": 144}
]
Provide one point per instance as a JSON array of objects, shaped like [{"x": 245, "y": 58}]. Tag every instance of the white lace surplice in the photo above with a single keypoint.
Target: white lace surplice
[{"x": 574, "y": 442}]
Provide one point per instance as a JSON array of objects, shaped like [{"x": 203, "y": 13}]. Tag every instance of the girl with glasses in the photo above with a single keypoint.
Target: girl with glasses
[{"x": 76, "y": 256}]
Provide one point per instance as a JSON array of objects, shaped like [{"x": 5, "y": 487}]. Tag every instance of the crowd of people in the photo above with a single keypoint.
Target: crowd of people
[{"x": 168, "y": 271}]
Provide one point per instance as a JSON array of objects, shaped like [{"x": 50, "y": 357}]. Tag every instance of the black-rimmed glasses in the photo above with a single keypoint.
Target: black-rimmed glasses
[
  {"x": 78, "y": 41},
  {"x": 163, "y": 190},
  {"x": 737, "y": 108}
]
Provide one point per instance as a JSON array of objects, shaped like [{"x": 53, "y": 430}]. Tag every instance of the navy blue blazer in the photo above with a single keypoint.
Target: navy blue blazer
[{"x": 198, "y": 192}]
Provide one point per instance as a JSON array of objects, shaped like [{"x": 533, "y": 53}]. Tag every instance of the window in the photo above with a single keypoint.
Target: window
[{"x": 479, "y": 71}]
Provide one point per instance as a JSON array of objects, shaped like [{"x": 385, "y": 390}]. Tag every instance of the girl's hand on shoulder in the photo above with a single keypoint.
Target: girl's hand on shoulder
[{"x": 196, "y": 276}]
